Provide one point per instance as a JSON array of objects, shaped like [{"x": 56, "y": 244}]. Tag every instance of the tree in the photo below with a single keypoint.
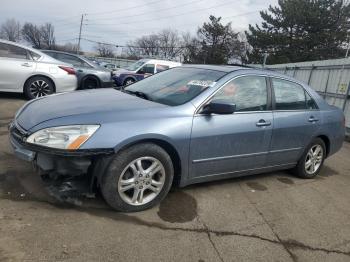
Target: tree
[
  {"x": 67, "y": 47},
  {"x": 31, "y": 33},
  {"x": 104, "y": 50},
  {"x": 169, "y": 43},
  {"x": 11, "y": 30},
  {"x": 300, "y": 30},
  {"x": 219, "y": 43},
  {"x": 47, "y": 36},
  {"x": 144, "y": 46}
]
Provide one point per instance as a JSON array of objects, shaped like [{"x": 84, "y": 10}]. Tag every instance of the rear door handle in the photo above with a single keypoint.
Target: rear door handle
[
  {"x": 312, "y": 119},
  {"x": 263, "y": 122},
  {"x": 26, "y": 65}
]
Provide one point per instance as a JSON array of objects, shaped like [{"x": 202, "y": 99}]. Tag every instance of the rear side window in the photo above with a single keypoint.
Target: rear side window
[
  {"x": 288, "y": 95},
  {"x": 11, "y": 51},
  {"x": 160, "y": 68},
  {"x": 75, "y": 61}
]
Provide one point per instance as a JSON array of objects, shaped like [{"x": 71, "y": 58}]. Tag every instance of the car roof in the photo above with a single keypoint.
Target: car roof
[{"x": 222, "y": 68}]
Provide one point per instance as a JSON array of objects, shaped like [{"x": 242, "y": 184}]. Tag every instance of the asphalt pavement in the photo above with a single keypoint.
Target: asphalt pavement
[{"x": 268, "y": 217}]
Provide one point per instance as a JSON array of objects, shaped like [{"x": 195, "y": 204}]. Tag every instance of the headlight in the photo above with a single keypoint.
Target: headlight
[{"x": 63, "y": 137}]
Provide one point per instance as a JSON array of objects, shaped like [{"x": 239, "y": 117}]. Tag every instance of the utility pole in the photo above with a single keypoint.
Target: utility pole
[{"x": 81, "y": 27}]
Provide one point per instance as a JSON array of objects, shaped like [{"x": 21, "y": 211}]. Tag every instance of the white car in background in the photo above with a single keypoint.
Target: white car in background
[
  {"x": 29, "y": 71},
  {"x": 140, "y": 70}
]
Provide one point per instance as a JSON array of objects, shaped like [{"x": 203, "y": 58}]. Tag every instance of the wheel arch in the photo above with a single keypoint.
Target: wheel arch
[
  {"x": 129, "y": 77},
  {"x": 327, "y": 143},
  {"x": 171, "y": 150},
  {"x": 83, "y": 79},
  {"x": 40, "y": 75}
]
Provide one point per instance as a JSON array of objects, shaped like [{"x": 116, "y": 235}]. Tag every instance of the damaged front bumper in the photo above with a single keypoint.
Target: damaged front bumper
[{"x": 65, "y": 170}]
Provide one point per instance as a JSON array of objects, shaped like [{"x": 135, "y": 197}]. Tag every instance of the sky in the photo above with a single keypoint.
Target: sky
[{"x": 117, "y": 22}]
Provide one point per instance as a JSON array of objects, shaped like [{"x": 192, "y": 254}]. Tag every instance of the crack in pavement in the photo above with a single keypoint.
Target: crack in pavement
[
  {"x": 289, "y": 244},
  {"x": 108, "y": 213},
  {"x": 210, "y": 239}
]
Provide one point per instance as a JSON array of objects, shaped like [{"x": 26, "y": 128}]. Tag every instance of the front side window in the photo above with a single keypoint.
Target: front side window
[
  {"x": 147, "y": 69},
  {"x": 248, "y": 93},
  {"x": 289, "y": 95},
  {"x": 136, "y": 65},
  {"x": 11, "y": 51},
  {"x": 176, "y": 86}
]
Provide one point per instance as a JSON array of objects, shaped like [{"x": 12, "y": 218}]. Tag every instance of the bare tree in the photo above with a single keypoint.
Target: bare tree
[
  {"x": 105, "y": 50},
  {"x": 190, "y": 47},
  {"x": 11, "y": 30},
  {"x": 31, "y": 33},
  {"x": 144, "y": 46},
  {"x": 169, "y": 43},
  {"x": 67, "y": 47},
  {"x": 47, "y": 33}
]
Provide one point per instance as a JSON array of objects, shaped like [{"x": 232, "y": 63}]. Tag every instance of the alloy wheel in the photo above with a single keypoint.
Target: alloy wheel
[
  {"x": 141, "y": 181},
  {"x": 39, "y": 88},
  {"x": 313, "y": 159}
]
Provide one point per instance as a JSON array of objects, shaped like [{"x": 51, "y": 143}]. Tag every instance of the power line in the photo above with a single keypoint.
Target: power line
[
  {"x": 146, "y": 13},
  {"x": 128, "y": 8},
  {"x": 167, "y": 17},
  {"x": 159, "y": 28}
]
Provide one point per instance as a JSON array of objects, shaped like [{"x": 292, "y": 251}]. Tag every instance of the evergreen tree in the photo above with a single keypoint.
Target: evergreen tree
[{"x": 301, "y": 30}]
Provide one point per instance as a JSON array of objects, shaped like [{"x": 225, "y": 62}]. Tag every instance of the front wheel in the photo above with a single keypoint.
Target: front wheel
[
  {"x": 311, "y": 162},
  {"x": 138, "y": 178},
  {"x": 129, "y": 81}
]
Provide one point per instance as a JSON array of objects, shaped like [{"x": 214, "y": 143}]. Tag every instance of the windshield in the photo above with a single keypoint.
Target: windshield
[
  {"x": 176, "y": 86},
  {"x": 135, "y": 66}
]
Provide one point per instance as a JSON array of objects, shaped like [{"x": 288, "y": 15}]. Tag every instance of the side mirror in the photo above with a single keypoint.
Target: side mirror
[{"x": 220, "y": 107}]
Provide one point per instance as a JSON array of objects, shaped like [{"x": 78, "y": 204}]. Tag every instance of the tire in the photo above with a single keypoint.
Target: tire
[
  {"x": 311, "y": 162},
  {"x": 38, "y": 86},
  {"x": 129, "y": 81},
  {"x": 122, "y": 183},
  {"x": 90, "y": 83}
]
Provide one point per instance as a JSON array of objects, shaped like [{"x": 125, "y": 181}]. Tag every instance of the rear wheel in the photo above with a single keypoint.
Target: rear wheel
[
  {"x": 311, "y": 162},
  {"x": 90, "y": 83},
  {"x": 38, "y": 86},
  {"x": 138, "y": 178}
]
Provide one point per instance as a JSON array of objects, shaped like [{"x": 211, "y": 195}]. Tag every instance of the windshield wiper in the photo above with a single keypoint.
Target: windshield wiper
[{"x": 137, "y": 93}]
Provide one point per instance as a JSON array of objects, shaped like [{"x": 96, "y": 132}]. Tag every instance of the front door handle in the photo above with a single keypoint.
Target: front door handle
[
  {"x": 26, "y": 65},
  {"x": 312, "y": 119},
  {"x": 263, "y": 122}
]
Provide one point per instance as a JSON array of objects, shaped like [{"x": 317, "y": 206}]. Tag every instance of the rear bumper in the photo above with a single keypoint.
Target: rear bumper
[{"x": 66, "y": 83}]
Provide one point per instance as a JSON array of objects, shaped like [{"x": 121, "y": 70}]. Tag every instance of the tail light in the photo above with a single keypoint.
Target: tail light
[{"x": 69, "y": 70}]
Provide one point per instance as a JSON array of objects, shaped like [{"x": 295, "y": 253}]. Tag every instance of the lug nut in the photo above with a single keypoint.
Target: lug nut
[
  {"x": 140, "y": 175},
  {"x": 147, "y": 183},
  {"x": 136, "y": 182},
  {"x": 140, "y": 187}
]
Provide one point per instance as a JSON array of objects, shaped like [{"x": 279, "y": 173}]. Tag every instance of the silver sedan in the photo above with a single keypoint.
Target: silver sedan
[{"x": 23, "y": 69}]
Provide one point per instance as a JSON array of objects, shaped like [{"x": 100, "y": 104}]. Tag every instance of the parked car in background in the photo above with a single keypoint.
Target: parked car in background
[
  {"x": 191, "y": 124},
  {"x": 29, "y": 71},
  {"x": 90, "y": 75},
  {"x": 140, "y": 70}
]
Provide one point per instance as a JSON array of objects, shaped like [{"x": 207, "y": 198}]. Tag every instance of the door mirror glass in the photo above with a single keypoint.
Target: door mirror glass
[{"x": 220, "y": 107}]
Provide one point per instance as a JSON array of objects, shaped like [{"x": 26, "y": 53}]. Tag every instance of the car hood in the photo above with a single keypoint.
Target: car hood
[{"x": 87, "y": 103}]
